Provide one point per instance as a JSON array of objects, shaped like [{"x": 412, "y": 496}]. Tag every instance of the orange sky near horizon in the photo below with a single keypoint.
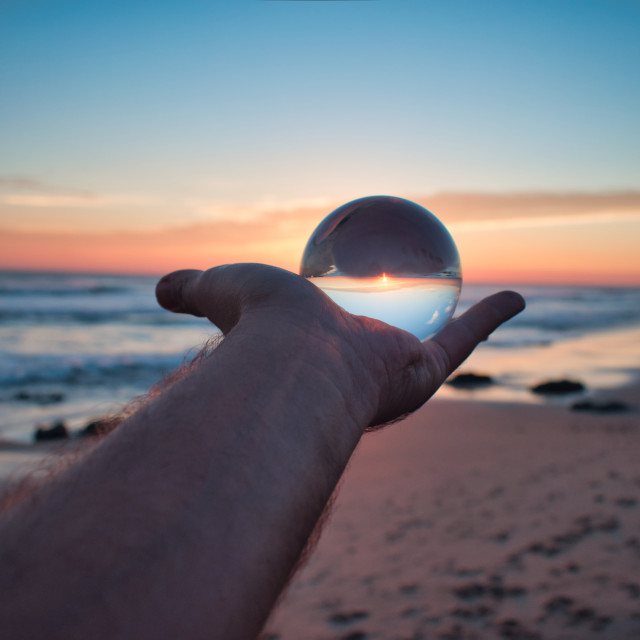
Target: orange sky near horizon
[
  {"x": 147, "y": 140},
  {"x": 509, "y": 238}
]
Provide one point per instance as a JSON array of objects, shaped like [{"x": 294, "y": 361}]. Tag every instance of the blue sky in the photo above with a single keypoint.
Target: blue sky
[{"x": 198, "y": 110}]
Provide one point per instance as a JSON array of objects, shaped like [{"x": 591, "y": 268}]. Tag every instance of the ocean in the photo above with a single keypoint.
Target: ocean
[{"x": 75, "y": 347}]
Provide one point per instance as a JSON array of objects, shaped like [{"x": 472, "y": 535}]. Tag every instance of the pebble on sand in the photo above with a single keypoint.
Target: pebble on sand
[
  {"x": 558, "y": 387},
  {"x": 470, "y": 381}
]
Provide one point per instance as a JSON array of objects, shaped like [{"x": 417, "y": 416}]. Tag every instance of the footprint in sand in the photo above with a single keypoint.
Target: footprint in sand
[{"x": 348, "y": 617}]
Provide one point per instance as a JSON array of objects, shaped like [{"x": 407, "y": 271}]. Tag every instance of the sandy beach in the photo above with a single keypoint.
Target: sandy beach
[
  {"x": 480, "y": 520},
  {"x": 471, "y": 519}
]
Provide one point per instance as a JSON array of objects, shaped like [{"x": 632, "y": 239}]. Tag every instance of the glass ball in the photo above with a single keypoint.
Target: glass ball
[{"x": 386, "y": 258}]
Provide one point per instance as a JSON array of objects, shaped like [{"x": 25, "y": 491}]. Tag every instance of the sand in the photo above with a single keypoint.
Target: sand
[
  {"x": 472, "y": 520},
  {"x": 478, "y": 520}
]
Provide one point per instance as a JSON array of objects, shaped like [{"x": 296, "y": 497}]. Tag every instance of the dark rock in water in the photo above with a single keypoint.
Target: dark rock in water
[
  {"x": 98, "y": 427},
  {"x": 558, "y": 387},
  {"x": 613, "y": 406},
  {"x": 470, "y": 381},
  {"x": 39, "y": 397},
  {"x": 56, "y": 431}
]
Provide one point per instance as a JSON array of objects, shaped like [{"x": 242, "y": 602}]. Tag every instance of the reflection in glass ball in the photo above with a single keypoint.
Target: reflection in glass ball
[{"x": 386, "y": 258}]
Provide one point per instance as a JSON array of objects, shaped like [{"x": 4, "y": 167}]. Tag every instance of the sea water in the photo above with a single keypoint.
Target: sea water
[
  {"x": 75, "y": 347},
  {"x": 421, "y": 306}
]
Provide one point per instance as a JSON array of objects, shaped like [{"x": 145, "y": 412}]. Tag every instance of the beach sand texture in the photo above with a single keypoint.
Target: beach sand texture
[
  {"x": 476, "y": 520},
  {"x": 471, "y": 520}
]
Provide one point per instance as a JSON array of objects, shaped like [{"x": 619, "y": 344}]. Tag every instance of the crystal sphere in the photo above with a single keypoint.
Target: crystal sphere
[{"x": 386, "y": 258}]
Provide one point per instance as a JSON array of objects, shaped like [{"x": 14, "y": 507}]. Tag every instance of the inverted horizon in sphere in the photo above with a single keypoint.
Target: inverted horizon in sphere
[{"x": 386, "y": 258}]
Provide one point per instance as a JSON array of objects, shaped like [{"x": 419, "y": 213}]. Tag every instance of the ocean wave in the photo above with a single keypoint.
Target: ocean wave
[
  {"x": 86, "y": 370},
  {"x": 557, "y": 313},
  {"x": 52, "y": 291},
  {"x": 40, "y": 301},
  {"x": 152, "y": 317}
]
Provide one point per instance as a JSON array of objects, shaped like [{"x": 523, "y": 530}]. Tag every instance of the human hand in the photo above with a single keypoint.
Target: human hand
[{"x": 391, "y": 370}]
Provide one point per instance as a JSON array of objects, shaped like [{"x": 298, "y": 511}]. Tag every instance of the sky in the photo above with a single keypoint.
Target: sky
[{"x": 146, "y": 136}]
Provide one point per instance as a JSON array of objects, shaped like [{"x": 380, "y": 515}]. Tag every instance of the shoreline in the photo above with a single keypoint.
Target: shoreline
[
  {"x": 604, "y": 361},
  {"x": 502, "y": 392}
]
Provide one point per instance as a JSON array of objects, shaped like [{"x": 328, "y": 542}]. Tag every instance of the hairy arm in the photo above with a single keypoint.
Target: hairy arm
[{"x": 188, "y": 519}]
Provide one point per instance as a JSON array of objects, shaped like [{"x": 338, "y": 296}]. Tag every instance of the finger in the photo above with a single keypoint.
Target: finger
[
  {"x": 460, "y": 337},
  {"x": 169, "y": 290},
  {"x": 212, "y": 294}
]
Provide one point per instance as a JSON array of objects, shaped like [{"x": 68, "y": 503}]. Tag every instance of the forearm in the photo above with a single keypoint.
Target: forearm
[{"x": 206, "y": 499}]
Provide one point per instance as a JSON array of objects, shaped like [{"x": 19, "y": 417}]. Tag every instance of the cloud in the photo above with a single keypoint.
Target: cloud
[
  {"x": 25, "y": 202},
  {"x": 278, "y": 236},
  {"x": 274, "y": 239},
  {"x": 596, "y": 217},
  {"x": 22, "y": 183},
  {"x": 457, "y": 207},
  {"x": 454, "y": 208},
  {"x": 50, "y": 200},
  {"x": 32, "y": 205},
  {"x": 24, "y": 191},
  {"x": 29, "y": 184},
  {"x": 70, "y": 200}
]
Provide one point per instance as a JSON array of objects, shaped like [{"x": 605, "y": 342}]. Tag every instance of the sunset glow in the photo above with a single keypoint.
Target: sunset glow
[
  {"x": 583, "y": 248},
  {"x": 193, "y": 135}
]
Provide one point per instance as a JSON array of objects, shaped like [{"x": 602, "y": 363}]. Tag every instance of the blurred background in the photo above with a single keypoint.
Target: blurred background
[
  {"x": 146, "y": 136},
  {"x": 141, "y": 137}
]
